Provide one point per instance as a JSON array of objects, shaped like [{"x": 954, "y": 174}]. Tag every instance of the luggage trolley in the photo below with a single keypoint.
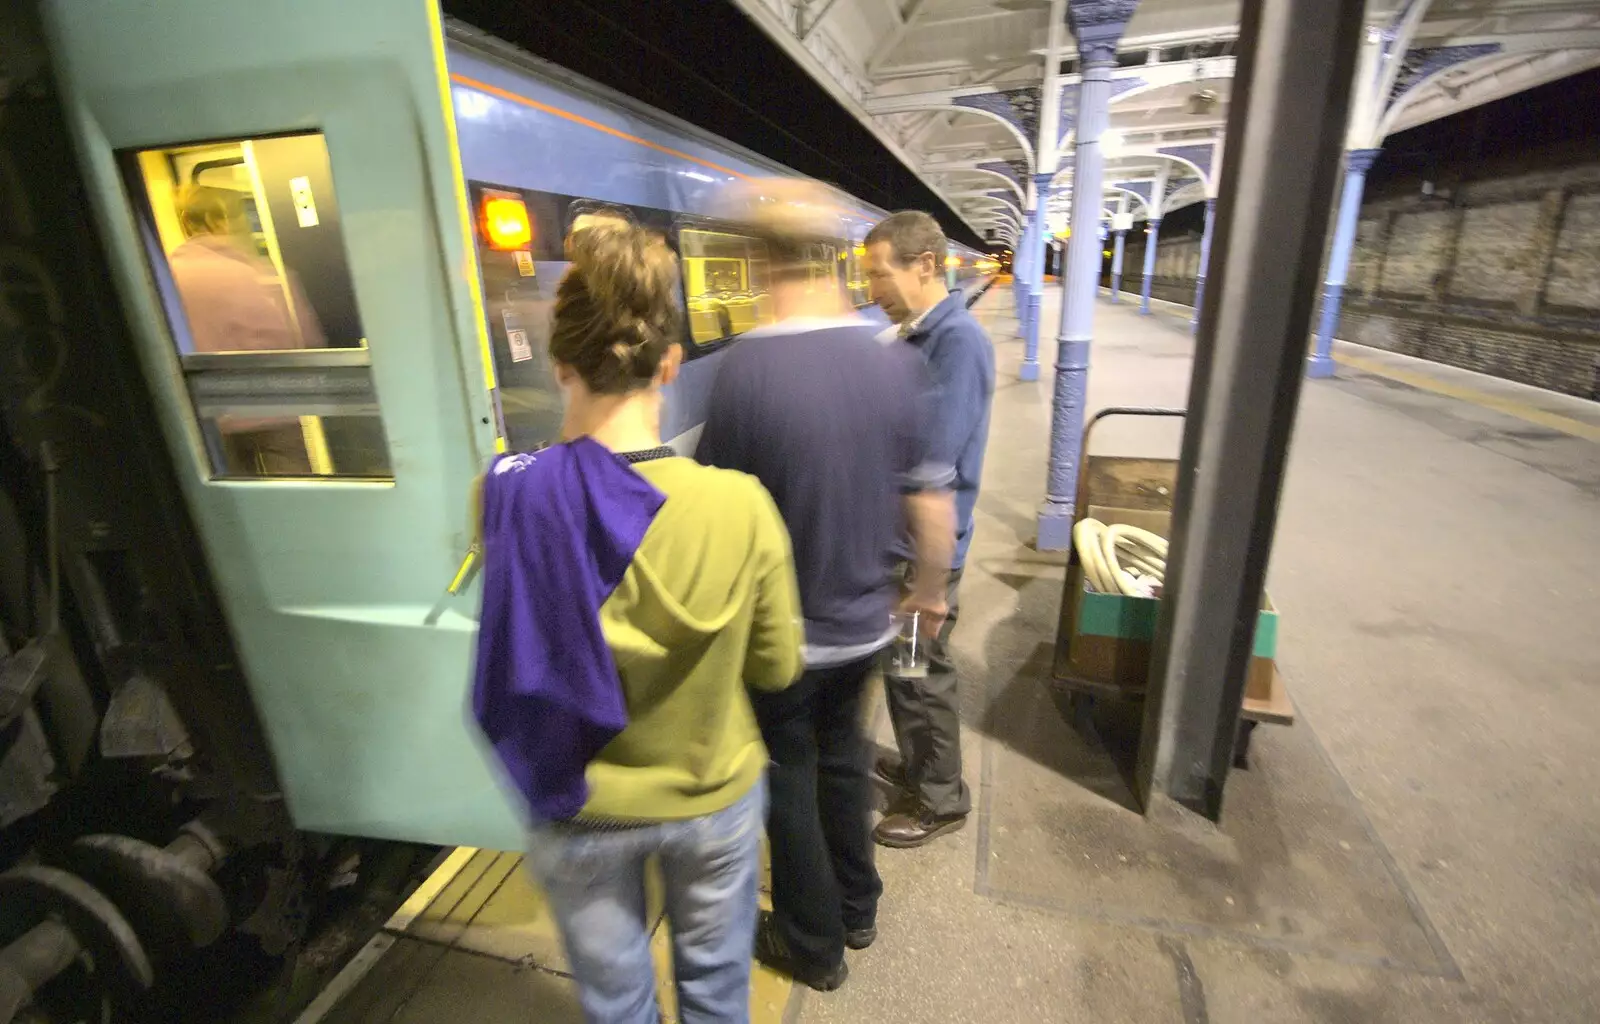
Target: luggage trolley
[{"x": 1103, "y": 641}]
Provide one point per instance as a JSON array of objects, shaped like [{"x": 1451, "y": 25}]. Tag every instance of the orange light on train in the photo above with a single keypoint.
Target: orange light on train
[
  {"x": 505, "y": 223},
  {"x": 951, "y": 262}
]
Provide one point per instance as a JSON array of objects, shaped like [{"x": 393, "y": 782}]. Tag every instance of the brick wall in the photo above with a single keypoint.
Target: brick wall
[{"x": 1501, "y": 276}]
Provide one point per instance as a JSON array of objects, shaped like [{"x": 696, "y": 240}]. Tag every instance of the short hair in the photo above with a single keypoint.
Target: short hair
[
  {"x": 790, "y": 215},
  {"x": 199, "y": 205},
  {"x": 910, "y": 233}
]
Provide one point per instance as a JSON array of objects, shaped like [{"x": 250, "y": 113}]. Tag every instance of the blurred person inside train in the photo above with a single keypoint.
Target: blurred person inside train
[
  {"x": 629, "y": 598},
  {"x": 905, "y": 257},
  {"x": 832, "y": 422},
  {"x": 235, "y": 301}
]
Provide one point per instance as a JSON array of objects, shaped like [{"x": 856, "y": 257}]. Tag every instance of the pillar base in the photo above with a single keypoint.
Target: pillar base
[
  {"x": 1029, "y": 370},
  {"x": 1320, "y": 367},
  {"x": 1055, "y": 527}
]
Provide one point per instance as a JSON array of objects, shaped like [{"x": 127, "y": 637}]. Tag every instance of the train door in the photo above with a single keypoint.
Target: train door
[{"x": 282, "y": 202}]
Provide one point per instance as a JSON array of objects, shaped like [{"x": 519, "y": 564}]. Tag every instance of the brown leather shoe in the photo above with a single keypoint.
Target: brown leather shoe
[
  {"x": 892, "y": 770},
  {"x": 905, "y": 830}
]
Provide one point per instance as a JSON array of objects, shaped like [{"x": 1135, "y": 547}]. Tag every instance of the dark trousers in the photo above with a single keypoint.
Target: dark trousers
[
  {"x": 823, "y": 879},
  {"x": 926, "y": 715}
]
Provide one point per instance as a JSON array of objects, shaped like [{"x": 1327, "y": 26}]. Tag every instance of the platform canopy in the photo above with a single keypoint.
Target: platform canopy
[{"x": 959, "y": 89}]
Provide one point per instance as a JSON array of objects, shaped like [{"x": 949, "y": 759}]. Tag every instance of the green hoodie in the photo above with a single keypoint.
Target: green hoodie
[{"x": 709, "y": 606}]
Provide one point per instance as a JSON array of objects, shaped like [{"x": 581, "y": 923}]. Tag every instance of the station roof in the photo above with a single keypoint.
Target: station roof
[{"x": 949, "y": 85}]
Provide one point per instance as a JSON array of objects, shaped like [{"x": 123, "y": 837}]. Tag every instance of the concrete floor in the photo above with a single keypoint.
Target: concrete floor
[{"x": 1422, "y": 845}]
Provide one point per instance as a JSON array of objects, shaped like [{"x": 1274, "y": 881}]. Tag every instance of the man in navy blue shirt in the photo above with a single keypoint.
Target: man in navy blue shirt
[
  {"x": 833, "y": 424},
  {"x": 905, "y": 269}
]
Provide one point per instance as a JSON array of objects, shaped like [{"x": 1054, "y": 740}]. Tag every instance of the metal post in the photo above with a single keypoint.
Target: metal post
[
  {"x": 1035, "y": 284},
  {"x": 1205, "y": 259},
  {"x": 1098, "y": 26},
  {"x": 1021, "y": 267},
  {"x": 1357, "y": 163},
  {"x": 1152, "y": 236},
  {"x": 1047, "y": 156},
  {"x": 1116, "y": 262},
  {"x": 1285, "y": 127}
]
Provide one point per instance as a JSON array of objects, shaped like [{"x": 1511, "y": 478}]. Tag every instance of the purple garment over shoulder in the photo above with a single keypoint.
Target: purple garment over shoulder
[{"x": 560, "y": 529}]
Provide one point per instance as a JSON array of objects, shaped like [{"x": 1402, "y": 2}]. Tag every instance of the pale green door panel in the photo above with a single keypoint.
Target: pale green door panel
[{"x": 332, "y": 588}]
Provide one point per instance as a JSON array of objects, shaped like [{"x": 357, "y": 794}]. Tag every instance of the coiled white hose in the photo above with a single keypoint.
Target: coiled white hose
[{"x": 1120, "y": 559}]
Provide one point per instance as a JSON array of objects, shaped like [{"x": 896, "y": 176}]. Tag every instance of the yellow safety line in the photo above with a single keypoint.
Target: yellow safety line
[
  {"x": 1511, "y": 407},
  {"x": 464, "y": 205},
  {"x": 430, "y": 888},
  {"x": 1461, "y": 393}
]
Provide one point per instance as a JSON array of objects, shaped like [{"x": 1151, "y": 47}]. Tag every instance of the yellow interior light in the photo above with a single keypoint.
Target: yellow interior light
[
  {"x": 951, "y": 262},
  {"x": 505, "y": 223}
]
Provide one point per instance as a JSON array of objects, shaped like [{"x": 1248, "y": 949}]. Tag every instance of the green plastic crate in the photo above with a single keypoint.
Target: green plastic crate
[{"x": 1134, "y": 618}]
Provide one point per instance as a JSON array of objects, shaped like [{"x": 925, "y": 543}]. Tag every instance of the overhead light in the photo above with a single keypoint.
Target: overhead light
[{"x": 1111, "y": 143}]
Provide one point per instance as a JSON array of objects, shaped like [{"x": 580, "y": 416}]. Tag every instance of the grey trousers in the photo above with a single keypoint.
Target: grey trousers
[{"x": 926, "y": 715}]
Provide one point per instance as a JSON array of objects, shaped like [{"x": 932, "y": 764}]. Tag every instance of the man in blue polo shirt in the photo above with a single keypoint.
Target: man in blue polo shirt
[{"x": 905, "y": 269}]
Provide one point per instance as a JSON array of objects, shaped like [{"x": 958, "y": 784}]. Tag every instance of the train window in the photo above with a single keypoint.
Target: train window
[
  {"x": 725, "y": 283},
  {"x": 247, "y": 247},
  {"x": 855, "y": 275}
]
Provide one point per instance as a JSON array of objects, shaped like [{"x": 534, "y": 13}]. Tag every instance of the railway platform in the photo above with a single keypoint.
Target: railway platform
[{"x": 1419, "y": 846}]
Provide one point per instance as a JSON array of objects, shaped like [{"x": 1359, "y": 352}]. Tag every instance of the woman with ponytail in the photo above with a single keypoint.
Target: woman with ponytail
[{"x": 630, "y": 597}]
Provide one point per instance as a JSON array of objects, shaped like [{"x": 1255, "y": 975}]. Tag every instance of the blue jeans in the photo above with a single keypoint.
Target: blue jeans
[{"x": 594, "y": 880}]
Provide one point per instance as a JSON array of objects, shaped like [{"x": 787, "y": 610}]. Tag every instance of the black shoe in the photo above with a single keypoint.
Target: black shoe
[
  {"x": 773, "y": 951},
  {"x": 860, "y": 938},
  {"x": 905, "y": 830},
  {"x": 892, "y": 770}
]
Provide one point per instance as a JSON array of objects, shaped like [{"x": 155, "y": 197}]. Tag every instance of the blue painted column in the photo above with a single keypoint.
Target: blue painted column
[
  {"x": 1357, "y": 163},
  {"x": 1116, "y": 264},
  {"x": 1034, "y": 296},
  {"x": 1151, "y": 238},
  {"x": 1097, "y": 51},
  {"x": 1021, "y": 263},
  {"x": 1205, "y": 259}
]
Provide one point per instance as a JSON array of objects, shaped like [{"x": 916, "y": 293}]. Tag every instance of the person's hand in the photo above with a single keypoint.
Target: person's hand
[{"x": 931, "y": 611}]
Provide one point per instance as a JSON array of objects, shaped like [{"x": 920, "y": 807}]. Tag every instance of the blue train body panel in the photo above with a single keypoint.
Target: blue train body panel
[{"x": 540, "y": 130}]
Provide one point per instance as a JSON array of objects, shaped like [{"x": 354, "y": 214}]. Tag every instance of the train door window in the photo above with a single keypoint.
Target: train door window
[
  {"x": 247, "y": 249},
  {"x": 725, "y": 283}
]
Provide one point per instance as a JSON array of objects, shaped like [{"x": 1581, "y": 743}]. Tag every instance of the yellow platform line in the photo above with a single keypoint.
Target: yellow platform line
[
  {"x": 1509, "y": 406},
  {"x": 431, "y": 887},
  {"x": 1462, "y": 393}
]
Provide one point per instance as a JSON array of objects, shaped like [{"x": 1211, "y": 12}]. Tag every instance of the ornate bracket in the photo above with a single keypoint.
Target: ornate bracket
[
  {"x": 1423, "y": 62},
  {"x": 1018, "y": 107},
  {"x": 1200, "y": 155}
]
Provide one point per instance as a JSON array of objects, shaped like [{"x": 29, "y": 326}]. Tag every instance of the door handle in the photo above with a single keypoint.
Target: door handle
[{"x": 468, "y": 569}]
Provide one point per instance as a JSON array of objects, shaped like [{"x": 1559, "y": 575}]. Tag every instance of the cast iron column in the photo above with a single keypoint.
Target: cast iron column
[
  {"x": 1035, "y": 286},
  {"x": 1357, "y": 163},
  {"x": 1021, "y": 267},
  {"x": 1152, "y": 236},
  {"x": 1116, "y": 264},
  {"x": 1205, "y": 258},
  {"x": 1098, "y": 25}
]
